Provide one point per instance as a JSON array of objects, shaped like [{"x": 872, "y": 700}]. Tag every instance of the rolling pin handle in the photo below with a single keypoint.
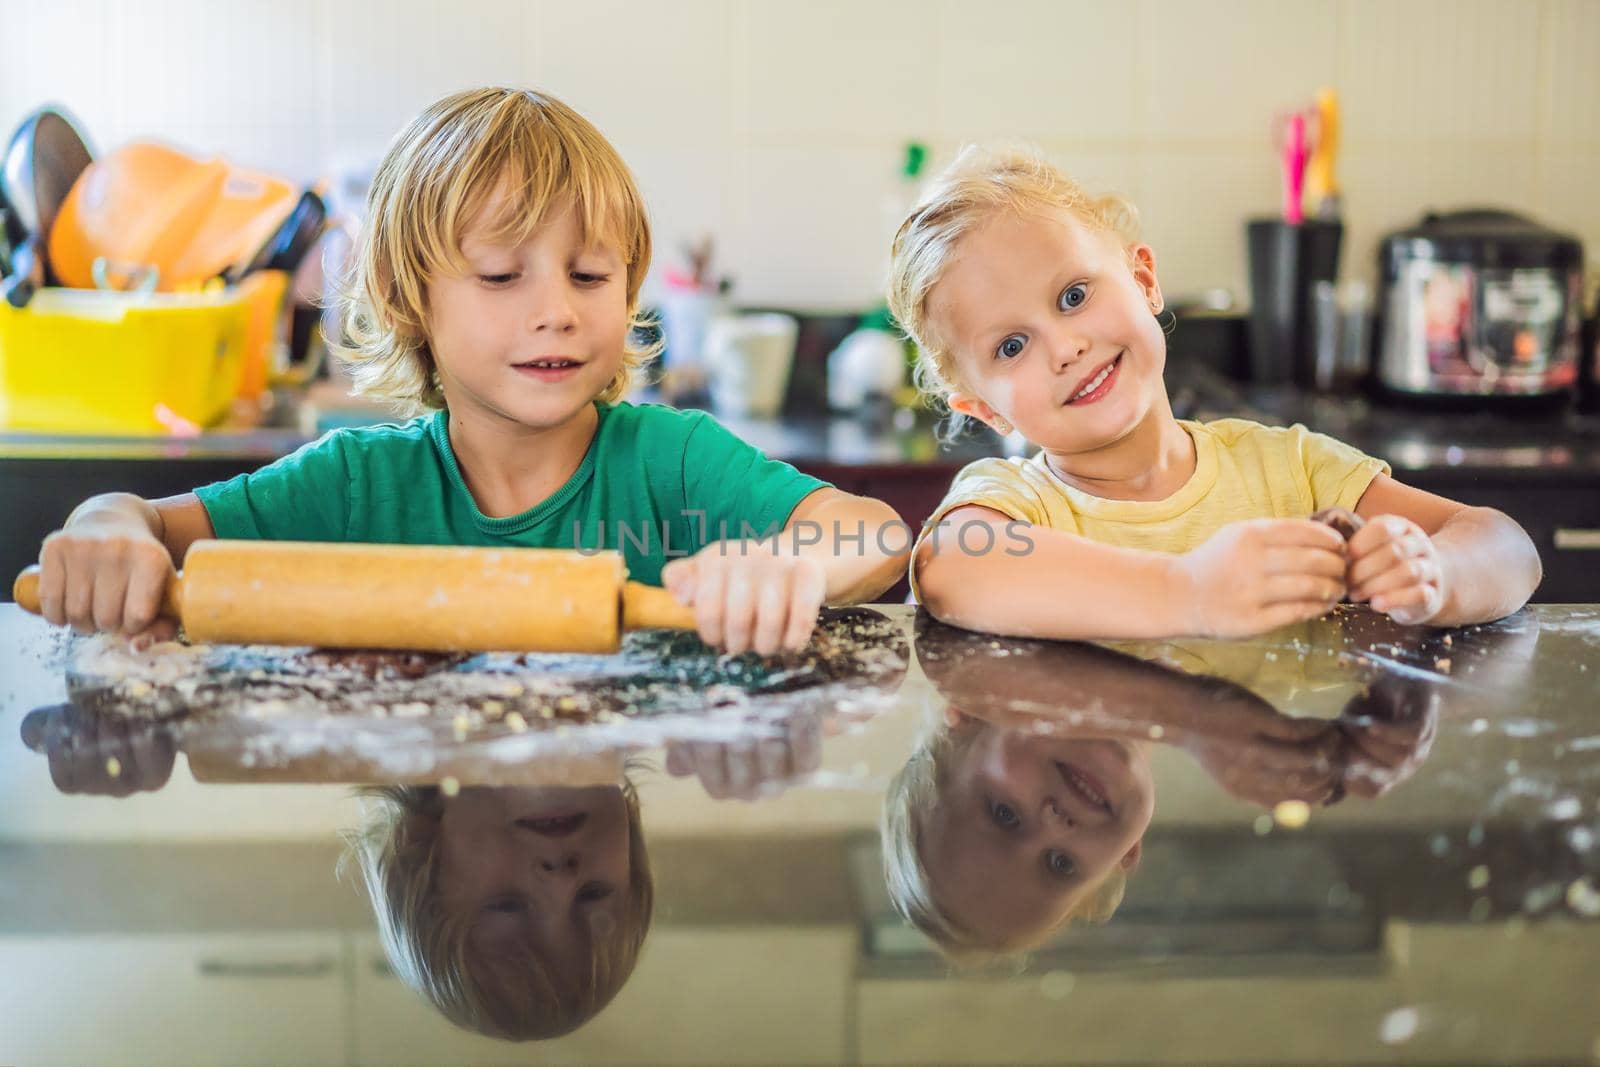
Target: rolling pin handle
[
  {"x": 646, "y": 607},
  {"x": 25, "y": 591}
]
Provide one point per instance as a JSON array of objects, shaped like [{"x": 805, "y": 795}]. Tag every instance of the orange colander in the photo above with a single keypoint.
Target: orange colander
[{"x": 150, "y": 207}]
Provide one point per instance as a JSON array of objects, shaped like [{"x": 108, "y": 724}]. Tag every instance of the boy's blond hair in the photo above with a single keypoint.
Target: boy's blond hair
[
  {"x": 980, "y": 183},
  {"x": 515, "y": 996},
  {"x": 435, "y": 178},
  {"x": 911, "y": 798}
]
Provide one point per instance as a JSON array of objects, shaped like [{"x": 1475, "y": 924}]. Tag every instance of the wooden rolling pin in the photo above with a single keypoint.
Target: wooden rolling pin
[{"x": 427, "y": 598}]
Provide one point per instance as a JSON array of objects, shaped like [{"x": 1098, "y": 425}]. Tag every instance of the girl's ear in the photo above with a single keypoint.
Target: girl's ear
[
  {"x": 974, "y": 408},
  {"x": 1130, "y": 859},
  {"x": 1142, "y": 262}
]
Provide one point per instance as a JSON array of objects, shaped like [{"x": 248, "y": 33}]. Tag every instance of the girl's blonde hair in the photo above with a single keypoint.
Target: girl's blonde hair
[
  {"x": 980, "y": 183},
  {"x": 432, "y": 183},
  {"x": 911, "y": 798},
  {"x": 514, "y": 996}
]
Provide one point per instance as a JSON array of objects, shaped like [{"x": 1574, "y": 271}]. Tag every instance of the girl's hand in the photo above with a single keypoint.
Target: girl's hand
[
  {"x": 1394, "y": 565},
  {"x": 1253, "y": 576},
  {"x": 1390, "y": 729},
  {"x": 106, "y": 575},
  {"x": 747, "y": 597},
  {"x": 1268, "y": 770}
]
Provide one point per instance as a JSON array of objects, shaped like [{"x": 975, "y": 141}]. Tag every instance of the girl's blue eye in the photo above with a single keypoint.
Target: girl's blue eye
[
  {"x": 497, "y": 279},
  {"x": 1058, "y": 863},
  {"x": 1003, "y": 815},
  {"x": 1072, "y": 296},
  {"x": 1011, "y": 347},
  {"x": 583, "y": 278}
]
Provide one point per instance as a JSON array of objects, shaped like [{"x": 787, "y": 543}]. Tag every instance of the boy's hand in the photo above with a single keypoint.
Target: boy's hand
[
  {"x": 746, "y": 597},
  {"x": 106, "y": 576},
  {"x": 100, "y": 754},
  {"x": 1394, "y": 565},
  {"x": 759, "y": 764},
  {"x": 1254, "y": 576}
]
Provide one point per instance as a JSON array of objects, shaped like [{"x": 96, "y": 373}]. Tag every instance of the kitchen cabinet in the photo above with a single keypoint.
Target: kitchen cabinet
[
  {"x": 1347, "y": 1015},
  {"x": 171, "y": 1000},
  {"x": 1563, "y": 520}
]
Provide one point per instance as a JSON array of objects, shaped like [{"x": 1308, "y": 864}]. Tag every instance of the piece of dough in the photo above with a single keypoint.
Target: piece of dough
[{"x": 1342, "y": 519}]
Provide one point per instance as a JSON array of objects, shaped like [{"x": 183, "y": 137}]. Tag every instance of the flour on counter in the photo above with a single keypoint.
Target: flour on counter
[{"x": 276, "y": 705}]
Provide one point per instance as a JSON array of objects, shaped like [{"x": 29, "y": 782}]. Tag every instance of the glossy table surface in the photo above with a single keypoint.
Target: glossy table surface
[{"x": 1343, "y": 842}]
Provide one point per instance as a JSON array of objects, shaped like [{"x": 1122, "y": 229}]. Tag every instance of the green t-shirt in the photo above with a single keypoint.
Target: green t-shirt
[{"x": 657, "y": 483}]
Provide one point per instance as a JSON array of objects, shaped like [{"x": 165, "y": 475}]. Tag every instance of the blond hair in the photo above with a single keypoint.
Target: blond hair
[
  {"x": 981, "y": 183},
  {"x": 436, "y": 177},
  {"x": 396, "y": 852},
  {"x": 911, "y": 798}
]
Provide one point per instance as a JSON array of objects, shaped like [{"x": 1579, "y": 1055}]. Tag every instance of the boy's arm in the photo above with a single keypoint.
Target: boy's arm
[
  {"x": 176, "y": 521},
  {"x": 108, "y": 565},
  {"x": 765, "y": 594},
  {"x": 861, "y": 544},
  {"x": 1033, "y": 581},
  {"x": 1424, "y": 558}
]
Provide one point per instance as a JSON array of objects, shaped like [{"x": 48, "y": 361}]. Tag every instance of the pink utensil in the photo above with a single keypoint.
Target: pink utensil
[{"x": 1293, "y": 153}]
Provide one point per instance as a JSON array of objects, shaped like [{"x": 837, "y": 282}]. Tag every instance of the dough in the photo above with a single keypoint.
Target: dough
[{"x": 1345, "y": 521}]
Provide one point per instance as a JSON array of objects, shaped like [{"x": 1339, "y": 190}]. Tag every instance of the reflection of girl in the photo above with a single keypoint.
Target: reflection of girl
[
  {"x": 519, "y": 913},
  {"x": 1023, "y": 811},
  {"x": 996, "y": 837}
]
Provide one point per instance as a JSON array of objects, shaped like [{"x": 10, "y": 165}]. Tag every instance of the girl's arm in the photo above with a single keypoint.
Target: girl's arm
[
  {"x": 1423, "y": 558},
  {"x": 1032, "y": 581}
]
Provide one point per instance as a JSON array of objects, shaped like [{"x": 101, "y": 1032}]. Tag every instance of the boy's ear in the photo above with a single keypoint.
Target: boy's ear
[
  {"x": 1142, "y": 261},
  {"x": 974, "y": 408},
  {"x": 1130, "y": 859}
]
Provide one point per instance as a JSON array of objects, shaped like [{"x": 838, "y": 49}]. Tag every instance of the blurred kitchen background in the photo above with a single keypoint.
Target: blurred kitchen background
[
  {"x": 778, "y": 128},
  {"x": 778, "y": 144}
]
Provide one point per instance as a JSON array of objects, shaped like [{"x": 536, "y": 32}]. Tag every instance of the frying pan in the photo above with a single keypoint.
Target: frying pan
[{"x": 43, "y": 160}]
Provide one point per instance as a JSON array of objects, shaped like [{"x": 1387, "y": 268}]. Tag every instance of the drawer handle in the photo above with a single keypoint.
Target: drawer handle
[
  {"x": 1578, "y": 540},
  {"x": 314, "y": 968}
]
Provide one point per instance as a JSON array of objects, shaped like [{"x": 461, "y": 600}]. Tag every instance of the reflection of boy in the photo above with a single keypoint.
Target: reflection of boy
[{"x": 518, "y": 913}]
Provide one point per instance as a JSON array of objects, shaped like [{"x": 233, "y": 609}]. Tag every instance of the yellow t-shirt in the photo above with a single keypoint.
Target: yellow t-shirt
[{"x": 1243, "y": 470}]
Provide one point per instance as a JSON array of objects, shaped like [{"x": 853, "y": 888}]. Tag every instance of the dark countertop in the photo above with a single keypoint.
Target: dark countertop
[{"x": 1444, "y": 909}]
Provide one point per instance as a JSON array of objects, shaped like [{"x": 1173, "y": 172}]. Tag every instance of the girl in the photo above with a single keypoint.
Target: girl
[{"x": 1035, "y": 308}]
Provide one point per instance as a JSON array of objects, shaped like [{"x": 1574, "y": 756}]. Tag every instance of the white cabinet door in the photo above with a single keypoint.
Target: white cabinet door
[{"x": 173, "y": 1000}]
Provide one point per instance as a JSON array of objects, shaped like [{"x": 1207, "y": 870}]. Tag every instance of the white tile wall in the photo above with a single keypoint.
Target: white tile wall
[
  {"x": 1045, "y": 68},
  {"x": 1219, "y": 69},
  {"x": 778, "y": 126},
  {"x": 1569, "y": 105},
  {"x": 1432, "y": 70}
]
